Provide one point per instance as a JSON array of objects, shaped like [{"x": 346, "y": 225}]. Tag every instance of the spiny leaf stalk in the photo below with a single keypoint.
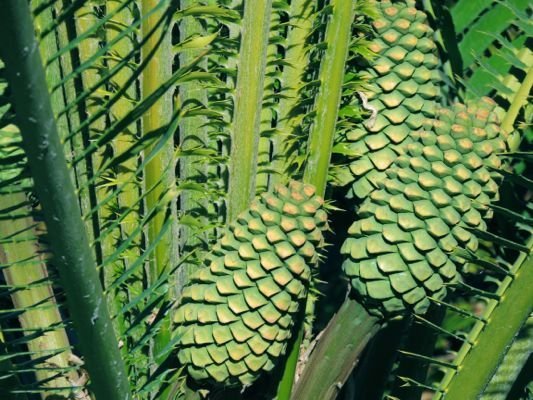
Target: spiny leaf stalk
[
  {"x": 68, "y": 238},
  {"x": 247, "y": 110},
  {"x": 147, "y": 270}
]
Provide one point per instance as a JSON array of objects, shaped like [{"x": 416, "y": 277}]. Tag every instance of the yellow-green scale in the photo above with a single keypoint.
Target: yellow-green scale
[
  {"x": 403, "y": 91},
  {"x": 400, "y": 251},
  {"x": 236, "y": 312}
]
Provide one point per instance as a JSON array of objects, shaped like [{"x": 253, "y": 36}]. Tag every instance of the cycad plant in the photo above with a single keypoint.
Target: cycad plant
[{"x": 259, "y": 199}]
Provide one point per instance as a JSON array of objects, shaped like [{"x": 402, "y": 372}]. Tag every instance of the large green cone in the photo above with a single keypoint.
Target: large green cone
[
  {"x": 399, "y": 253},
  {"x": 403, "y": 88},
  {"x": 237, "y": 312}
]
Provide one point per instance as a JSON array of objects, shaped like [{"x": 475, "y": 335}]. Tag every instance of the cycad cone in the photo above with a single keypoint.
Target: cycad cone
[
  {"x": 403, "y": 89},
  {"x": 237, "y": 312},
  {"x": 400, "y": 250}
]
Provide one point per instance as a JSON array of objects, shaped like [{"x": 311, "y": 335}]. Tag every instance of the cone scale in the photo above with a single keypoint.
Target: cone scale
[
  {"x": 400, "y": 251},
  {"x": 403, "y": 89},
  {"x": 237, "y": 312}
]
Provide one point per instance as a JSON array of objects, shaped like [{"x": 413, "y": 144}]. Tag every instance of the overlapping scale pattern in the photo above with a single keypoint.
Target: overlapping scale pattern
[
  {"x": 399, "y": 252},
  {"x": 403, "y": 88},
  {"x": 237, "y": 312}
]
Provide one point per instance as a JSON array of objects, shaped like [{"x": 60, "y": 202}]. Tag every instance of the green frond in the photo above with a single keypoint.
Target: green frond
[
  {"x": 168, "y": 116},
  {"x": 33, "y": 334},
  {"x": 491, "y": 40},
  {"x": 34, "y": 113},
  {"x": 487, "y": 342},
  {"x": 248, "y": 98}
]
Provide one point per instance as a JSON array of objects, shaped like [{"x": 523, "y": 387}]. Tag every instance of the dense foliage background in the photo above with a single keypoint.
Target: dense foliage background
[{"x": 132, "y": 132}]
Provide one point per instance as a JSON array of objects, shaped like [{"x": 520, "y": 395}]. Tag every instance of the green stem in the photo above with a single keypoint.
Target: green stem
[
  {"x": 90, "y": 195},
  {"x": 42, "y": 311},
  {"x": 302, "y": 16},
  {"x": 159, "y": 172},
  {"x": 268, "y": 107},
  {"x": 338, "y": 39},
  {"x": 67, "y": 235},
  {"x": 26, "y": 271},
  {"x": 289, "y": 372},
  {"x": 247, "y": 111},
  {"x": 193, "y": 134},
  {"x": 336, "y": 353},
  {"x": 81, "y": 170},
  {"x": 322, "y": 133},
  {"x": 84, "y": 20},
  {"x": 124, "y": 175},
  {"x": 519, "y": 100},
  {"x": 490, "y": 339},
  {"x": 48, "y": 47}
]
